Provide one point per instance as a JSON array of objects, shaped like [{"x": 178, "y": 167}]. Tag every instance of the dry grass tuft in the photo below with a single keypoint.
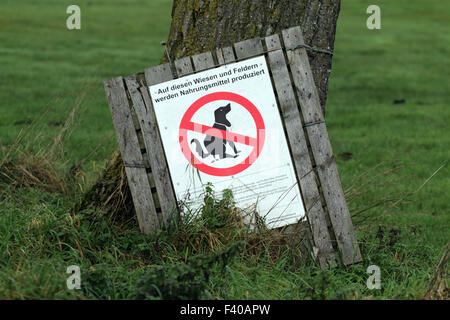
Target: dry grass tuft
[
  {"x": 110, "y": 193},
  {"x": 35, "y": 159},
  {"x": 439, "y": 286}
]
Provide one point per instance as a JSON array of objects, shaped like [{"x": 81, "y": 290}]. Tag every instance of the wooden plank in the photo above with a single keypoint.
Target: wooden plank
[
  {"x": 184, "y": 66},
  {"x": 228, "y": 54},
  {"x": 131, "y": 155},
  {"x": 321, "y": 147},
  {"x": 225, "y": 55},
  {"x": 158, "y": 74},
  {"x": 220, "y": 58},
  {"x": 147, "y": 120},
  {"x": 300, "y": 154},
  {"x": 203, "y": 61},
  {"x": 248, "y": 48}
]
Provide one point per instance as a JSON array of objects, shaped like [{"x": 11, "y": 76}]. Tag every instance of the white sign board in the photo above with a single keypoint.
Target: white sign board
[{"x": 223, "y": 126}]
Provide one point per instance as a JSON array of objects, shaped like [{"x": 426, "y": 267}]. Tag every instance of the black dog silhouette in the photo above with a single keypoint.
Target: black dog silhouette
[{"x": 217, "y": 146}]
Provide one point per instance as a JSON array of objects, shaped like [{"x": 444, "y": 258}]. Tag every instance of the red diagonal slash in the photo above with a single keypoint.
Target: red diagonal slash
[{"x": 218, "y": 133}]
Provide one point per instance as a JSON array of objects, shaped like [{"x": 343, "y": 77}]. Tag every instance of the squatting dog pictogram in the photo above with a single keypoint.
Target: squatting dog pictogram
[{"x": 214, "y": 145}]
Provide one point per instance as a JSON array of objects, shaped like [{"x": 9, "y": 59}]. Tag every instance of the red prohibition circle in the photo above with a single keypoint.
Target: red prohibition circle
[{"x": 187, "y": 125}]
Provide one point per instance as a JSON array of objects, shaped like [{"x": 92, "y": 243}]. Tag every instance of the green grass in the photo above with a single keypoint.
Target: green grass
[
  {"x": 45, "y": 66},
  {"x": 45, "y": 69}
]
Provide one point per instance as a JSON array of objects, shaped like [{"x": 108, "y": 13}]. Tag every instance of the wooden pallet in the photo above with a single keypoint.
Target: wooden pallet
[{"x": 146, "y": 166}]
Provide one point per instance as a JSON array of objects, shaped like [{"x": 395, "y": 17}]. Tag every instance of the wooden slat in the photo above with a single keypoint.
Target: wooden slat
[
  {"x": 158, "y": 74},
  {"x": 225, "y": 55},
  {"x": 228, "y": 54},
  {"x": 321, "y": 147},
  {"x": 300, "y": 154},
  {"x": 131, "y": 154},
  {"x": 184, "y": 66},
  {"x": 220, "y": 58},
  {"x": 203, "y": 61},
  {"x": 147, "y": 120},
  {"x": 248, "y": 48}
]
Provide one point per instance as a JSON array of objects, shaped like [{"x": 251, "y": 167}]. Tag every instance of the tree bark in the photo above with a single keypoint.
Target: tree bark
[{"x": 202, "y": 25}]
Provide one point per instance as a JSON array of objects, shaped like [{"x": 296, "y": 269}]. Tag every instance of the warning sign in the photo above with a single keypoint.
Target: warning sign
[
  {"x": 223, "y": 126},
  {"x": 218, "y": 139}
]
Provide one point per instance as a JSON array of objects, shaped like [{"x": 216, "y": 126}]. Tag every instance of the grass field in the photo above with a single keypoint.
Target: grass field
[{"x": 389, "y": 153}]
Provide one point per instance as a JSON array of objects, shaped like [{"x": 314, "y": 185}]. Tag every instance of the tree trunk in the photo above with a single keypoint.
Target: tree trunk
[
  {"x": 202, "y": 25},
  {"x": 199, "y": 26}
]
